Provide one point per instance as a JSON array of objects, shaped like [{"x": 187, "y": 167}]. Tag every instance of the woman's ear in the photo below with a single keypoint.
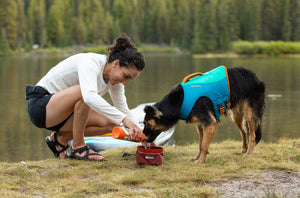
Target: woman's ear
[{"x": 116, "y": 63}]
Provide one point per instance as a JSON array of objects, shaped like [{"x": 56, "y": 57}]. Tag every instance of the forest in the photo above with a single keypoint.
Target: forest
[{"x": 195, "y": 25}]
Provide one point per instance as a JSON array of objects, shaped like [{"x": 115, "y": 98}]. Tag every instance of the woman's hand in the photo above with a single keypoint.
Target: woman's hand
[{"x": 135, "y": 131}]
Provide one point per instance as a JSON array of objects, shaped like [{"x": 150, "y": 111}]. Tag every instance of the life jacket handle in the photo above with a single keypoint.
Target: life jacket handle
[{"x": 185, "y": 79}]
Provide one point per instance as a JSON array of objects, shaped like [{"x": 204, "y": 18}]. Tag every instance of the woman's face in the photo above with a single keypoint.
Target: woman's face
[{"x": 122, "y": 74}]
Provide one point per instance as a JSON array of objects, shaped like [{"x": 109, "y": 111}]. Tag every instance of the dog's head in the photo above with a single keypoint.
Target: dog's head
[{"x": 153, "y": 123}]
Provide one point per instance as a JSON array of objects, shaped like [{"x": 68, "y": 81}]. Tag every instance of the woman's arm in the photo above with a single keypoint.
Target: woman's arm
[
  {"x": 118, "y": 97},
  {"x": 88, "y": 71}
]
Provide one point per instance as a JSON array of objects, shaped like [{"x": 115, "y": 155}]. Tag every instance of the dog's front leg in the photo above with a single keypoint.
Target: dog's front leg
[
  {"x": 252, "y": 129},
  {"x": 200, "y": 134},
  {"x": 208, "y": 134},
  {"x": 252, "y": 126},
  {"x": 237, "y": 117}
]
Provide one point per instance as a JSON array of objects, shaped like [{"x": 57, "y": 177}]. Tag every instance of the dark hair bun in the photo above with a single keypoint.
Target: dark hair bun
[
  {"x": 126, "y": 52},
  {"x": 120, "y": 44}
]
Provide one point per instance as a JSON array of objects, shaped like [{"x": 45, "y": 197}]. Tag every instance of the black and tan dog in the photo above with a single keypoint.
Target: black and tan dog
[{"x": 246, "y": 103}]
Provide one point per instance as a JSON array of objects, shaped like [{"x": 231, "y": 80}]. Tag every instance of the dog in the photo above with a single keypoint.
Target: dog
[{"x": 245, "y": 101}]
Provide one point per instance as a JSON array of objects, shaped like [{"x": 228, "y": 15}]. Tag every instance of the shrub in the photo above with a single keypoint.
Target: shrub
[{"x": 272, "y": 48}]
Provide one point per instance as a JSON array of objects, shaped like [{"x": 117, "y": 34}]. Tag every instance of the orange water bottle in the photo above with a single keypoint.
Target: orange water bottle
[{"x": 123, "y": 133}]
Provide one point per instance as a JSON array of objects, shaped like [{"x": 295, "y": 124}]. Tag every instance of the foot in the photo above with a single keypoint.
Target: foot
[
  {"x": 85, "y": 153},
  {"x": 57, "y": 145},
  {"x": 63, "y": 154}
]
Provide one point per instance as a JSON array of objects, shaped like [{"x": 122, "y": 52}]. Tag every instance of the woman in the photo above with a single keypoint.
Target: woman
[{"x": 68, "y": 99}]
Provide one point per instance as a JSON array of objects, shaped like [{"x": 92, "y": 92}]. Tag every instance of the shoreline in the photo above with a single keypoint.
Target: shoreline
[{"x": 146, "y": 49}]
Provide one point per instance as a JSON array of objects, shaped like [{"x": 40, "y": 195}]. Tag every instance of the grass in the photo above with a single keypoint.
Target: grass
[{"x": 122, "y": 177}]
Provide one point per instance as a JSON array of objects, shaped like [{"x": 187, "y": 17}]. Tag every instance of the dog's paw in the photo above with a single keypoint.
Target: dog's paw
[
  {"x": 244, "y": 150},
  {"x": 196, "y": 160},
  {"x": 247, "y": 156},
  {"x": 199, "y": 161}
]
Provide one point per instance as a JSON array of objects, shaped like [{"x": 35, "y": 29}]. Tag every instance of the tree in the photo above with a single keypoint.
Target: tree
[
  {"x": 269, "y": 20},
  {"x": 196, "y": 46},
  {"x": 4, "y": 46},
  {"x": 295, "y": 20},
  {"x": 184, "y": 23},
  {"x": 148, "y": 27},
  {"x": 232, "y": 21},
  {"x": 36, "y": 22},
  {"x": 208, "y": 29},
  {"x": 254, "y": 20},
  {"x": 99, "y": 27},
  {"x": 118, "y": 12},
  {"x": 223, "y": 39},
  {"x": 9, "y": 10},
  {"x": 286, "y": 22},
  {"x": 21, "y": 23},
  {"x": 78, "y": 31},
  {"x": 55, "y": 26}
]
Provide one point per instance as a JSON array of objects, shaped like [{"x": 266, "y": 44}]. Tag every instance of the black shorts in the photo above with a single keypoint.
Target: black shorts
[{"x": 38, "y": 99}]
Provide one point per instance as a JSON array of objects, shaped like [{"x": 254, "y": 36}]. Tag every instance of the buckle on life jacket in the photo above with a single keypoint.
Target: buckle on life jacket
[
  {"x": 228, "y": 104},
  {"x": 221, "y": 108}
]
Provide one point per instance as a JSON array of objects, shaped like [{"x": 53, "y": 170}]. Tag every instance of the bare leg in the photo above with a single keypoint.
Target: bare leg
[
  {"x": 83, "y": 121},
  {"x": 81, "y": 115}
]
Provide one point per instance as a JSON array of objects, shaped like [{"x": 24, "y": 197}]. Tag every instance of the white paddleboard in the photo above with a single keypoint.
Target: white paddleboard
[{"x": 100, "y": 143}]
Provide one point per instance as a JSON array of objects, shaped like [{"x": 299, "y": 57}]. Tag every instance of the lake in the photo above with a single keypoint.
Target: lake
[{"x": 20, "y": 140}]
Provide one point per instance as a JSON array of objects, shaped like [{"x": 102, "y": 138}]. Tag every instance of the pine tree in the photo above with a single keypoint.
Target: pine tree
[
  {"x": 208, "y": 29},
  {"x": 36, "y": 22},
  {"x": 286, "y": 26},
  {"x": 232, "y": 21},
  {"x": 9, "y": 10},
  {"x": 223, "y": 40},
  {"x": 55, "y": 25},
  {"x": 295, "y": 20},
  {"x": 78, "y": 31},
  {"x": 118, "y": 11},
  {"x": 184, "y": 23},
  {"x": 21, "y": 25},
  {"x": 162, "y": 22},
  {"x": 269, "y": 20},
  {"x": 254, "y": 20},
  {"x": 4, "y": 46},
  {"x": 196, "y": 46},
  {"x": 100, "y": 27}
]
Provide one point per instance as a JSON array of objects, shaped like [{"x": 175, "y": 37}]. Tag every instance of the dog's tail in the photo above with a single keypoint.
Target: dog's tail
[{"x": 259, "y": 109}]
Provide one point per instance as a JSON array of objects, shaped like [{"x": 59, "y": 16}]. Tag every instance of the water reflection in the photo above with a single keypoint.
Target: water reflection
[{"x": 20, "y": 140}]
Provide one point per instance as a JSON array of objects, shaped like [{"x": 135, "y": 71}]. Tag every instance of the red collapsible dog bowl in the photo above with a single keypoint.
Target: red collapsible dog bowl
[{"x": 149, "y": 156}]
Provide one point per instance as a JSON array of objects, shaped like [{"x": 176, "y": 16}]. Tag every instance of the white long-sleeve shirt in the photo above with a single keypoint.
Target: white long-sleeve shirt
[{"x": 86, "y": 69}]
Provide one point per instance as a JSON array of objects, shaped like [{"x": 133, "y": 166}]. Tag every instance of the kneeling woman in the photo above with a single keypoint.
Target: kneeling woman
[{"x": 68, "y": 99}]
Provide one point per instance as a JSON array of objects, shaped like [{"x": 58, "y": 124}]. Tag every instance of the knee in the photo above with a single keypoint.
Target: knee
[{"x": 80, "y": 105}]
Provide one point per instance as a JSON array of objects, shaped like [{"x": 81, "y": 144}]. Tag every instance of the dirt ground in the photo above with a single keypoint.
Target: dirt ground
[{"x": 275, "y": 184}]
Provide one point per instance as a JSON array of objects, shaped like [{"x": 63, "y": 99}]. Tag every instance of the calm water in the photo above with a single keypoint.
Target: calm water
[{"x": 20, "y": 140}]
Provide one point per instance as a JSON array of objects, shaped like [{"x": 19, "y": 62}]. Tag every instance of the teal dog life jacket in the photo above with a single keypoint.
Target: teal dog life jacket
[{"x": 213, "y": 85}]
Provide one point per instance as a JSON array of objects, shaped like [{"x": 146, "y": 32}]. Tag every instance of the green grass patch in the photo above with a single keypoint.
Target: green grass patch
[
  {"x": 122, "y": 177},
  {"x": 272, "y": 48}
]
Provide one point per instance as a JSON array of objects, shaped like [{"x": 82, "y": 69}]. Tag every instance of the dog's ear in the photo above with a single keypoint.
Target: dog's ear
[
  {"x": 149, "y": 110},
  {"x": 152, "y": 112}
]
